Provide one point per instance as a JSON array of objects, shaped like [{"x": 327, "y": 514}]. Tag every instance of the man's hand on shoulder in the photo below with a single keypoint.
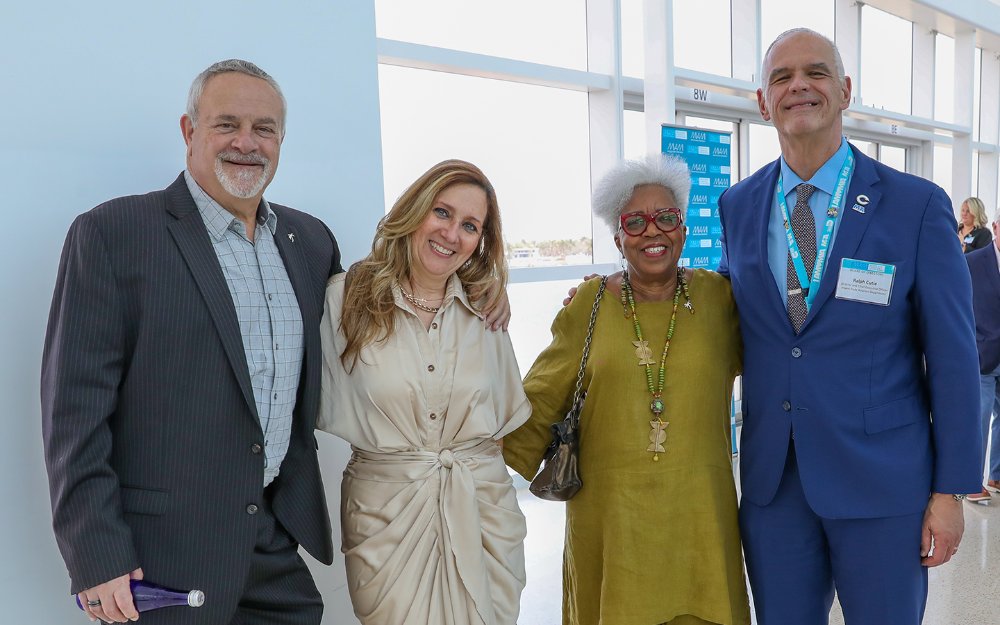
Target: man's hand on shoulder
[
  {"x": 499, "y": 316},
  {"x": 944, "y": 524},
  {"x": 572, "y": 291},
  {"x": 111, "y": 601}
]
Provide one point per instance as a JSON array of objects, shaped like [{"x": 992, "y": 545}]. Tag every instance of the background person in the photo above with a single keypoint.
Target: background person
[
  {"x": 180, "y": 378},
  {"x": 984, "y": 267},
  {"x": 846, "y": 480},
  {"x": 423, "y": 392},
  {"x": 652, "y": 536},
  {"x": 972, "y": 228}
]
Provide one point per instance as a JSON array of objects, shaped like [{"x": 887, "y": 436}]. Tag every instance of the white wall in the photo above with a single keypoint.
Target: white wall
[{"x": 91, "y": 97}]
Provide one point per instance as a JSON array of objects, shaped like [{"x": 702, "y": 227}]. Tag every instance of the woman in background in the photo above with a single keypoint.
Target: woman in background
[
  {"x": 972, "y": 230},
  {"x": 423, "y": 391},
  {"x": 652, "y": 537}
]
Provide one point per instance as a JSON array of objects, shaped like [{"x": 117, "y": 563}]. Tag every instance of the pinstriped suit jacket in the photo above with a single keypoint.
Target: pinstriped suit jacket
[{"x": 149, "y": 420}]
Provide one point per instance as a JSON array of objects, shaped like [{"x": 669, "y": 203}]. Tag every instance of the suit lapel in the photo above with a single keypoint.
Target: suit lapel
[
  {"x": 853, "y": 225},
  {"x": 763, "y": 200},
  {"x": 192, "y": 240},
  {"x": 990, "y": 267}
]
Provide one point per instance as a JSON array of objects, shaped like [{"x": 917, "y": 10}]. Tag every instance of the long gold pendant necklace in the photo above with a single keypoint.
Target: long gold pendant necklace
[{"x": 657, "y": 433}]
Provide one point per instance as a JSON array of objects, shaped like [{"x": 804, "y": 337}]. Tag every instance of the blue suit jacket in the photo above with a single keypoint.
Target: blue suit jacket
[
  {"x": 852, "y": 386},
  {"x": 986, "y": 304}
]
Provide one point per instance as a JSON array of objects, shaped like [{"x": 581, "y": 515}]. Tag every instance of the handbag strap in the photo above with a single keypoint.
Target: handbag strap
[{"x": 586, "y": 344}]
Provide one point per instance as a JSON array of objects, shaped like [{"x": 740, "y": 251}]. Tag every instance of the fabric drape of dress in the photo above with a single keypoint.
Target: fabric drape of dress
[
  {"x": 432, "y": 532},
  {"x": 646, "y": 542}
]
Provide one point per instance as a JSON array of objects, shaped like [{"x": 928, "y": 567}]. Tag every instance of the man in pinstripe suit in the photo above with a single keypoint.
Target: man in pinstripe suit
[{"x": 180, "y": 379}]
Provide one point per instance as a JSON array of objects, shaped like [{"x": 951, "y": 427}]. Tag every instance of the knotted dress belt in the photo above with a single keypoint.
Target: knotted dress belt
[{"x": 457, "y": 501}]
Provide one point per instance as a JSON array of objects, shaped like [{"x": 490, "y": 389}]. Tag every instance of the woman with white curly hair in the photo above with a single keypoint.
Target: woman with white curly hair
[{"x": 652, "y": 537}]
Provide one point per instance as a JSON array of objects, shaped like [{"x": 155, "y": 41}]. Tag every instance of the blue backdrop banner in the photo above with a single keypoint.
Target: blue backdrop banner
[{"x": 707, "y": 155}]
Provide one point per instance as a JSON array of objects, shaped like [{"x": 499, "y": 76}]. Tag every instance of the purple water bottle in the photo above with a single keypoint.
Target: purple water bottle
[{"x": 147, "y": 596}]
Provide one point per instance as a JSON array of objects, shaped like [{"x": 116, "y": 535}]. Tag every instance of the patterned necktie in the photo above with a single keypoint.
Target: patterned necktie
[{"x": 804, "y": 228}]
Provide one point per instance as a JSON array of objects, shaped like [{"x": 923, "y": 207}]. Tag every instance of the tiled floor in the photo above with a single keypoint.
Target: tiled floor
[
  {"x": 541, "y": 601},
  {"x": 966, "y": 591}
]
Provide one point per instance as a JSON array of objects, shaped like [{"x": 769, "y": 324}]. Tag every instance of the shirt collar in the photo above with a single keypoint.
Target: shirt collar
[
  {"x": 997, "y": 251},
  {"x": 454, "y": 291},
  {"x": 825, "y": 178},
  {"x": 218, "y": 219}
]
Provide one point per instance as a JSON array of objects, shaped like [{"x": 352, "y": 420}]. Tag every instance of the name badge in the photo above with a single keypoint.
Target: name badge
[{"x": 866, "y": 282}]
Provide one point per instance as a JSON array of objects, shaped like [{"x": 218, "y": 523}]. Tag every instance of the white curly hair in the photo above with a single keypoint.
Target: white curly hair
[{"x": 615, "y": 189}]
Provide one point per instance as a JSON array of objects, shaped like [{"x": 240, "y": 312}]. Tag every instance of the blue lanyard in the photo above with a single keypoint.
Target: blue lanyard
[{"x": 824, "y": 244}]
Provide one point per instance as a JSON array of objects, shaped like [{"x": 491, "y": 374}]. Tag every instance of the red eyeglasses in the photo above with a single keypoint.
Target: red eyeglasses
[{"x": 665, "y": 219}]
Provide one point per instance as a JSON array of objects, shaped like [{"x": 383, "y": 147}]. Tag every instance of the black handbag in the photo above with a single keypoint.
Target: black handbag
[{"x": 559, "y": 478}]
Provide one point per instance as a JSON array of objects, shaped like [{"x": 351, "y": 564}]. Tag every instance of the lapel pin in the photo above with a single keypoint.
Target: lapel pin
[
  {"x": 291, "y": 237},
  {"x": 859, "y": 208},
  {"x": 862, "y": 199}
]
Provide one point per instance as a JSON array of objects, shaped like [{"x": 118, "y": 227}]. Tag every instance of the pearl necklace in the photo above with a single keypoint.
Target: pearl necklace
[
  {"x": 657, "y": 434},
  {"x": 419, "y": 302}
]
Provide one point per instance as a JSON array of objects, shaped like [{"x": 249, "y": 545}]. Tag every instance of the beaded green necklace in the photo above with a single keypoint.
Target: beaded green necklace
[{"x": 657, "y": 434}]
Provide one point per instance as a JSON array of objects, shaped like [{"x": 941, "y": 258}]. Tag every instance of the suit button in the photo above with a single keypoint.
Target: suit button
[
  {"x": 433, "y": 416},
  {"x": 256, "y": 448},
  {"x": 430, "y": 368},
  {"x": 796, "y": 352},
  {"x": 252, "y": 509},
  {"x": 786, "y": 405}
]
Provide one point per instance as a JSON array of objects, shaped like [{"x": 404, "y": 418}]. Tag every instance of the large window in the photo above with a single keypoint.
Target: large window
[
  {"x": 532, "y": 142},
  {"x": 777, "y": 16},
  {"x": 993, "y": 212},
  {"x": 633, "y": 44},
  {"x": 635, "y": 135},
  {"x": 764, "y": 146},
  {"x": 695, "y": 46},
  {"x": 535, "y": 305},
  {"x": 886, "y": 60},
  {"x": 975, "y": 175},
  {"x": 942, "y": 167},
  {"x": 944, "y": 78},
  {"x": 893, "y": 156},
  {"x": 553, "y": 32},
  {"x": 867, "y": 147},
  {"x": 977, "y": 93}
]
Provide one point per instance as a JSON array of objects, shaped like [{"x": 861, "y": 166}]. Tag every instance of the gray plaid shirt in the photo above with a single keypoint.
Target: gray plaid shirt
[{"x": 269, "y": 316}]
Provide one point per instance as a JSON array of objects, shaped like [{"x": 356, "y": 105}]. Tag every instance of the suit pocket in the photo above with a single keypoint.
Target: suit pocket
[
  {"x": 895, "y": 414},
  {"x": 144, "y": 501}
]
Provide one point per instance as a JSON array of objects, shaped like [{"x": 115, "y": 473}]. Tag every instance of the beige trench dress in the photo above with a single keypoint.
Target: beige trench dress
[{"x": 432, "y": 532}]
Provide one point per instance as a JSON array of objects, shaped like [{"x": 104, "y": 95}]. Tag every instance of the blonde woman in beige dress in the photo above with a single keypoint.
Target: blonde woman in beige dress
[{"x": 424, "y": 392}]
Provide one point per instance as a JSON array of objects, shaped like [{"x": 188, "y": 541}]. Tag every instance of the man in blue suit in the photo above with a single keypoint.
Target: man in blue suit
[
  {"x": 856, "y": 314},
  {"x": 984, "y": 266}
]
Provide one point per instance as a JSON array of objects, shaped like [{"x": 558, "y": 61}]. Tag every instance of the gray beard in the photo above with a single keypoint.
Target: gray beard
[{"x": 245, "y": 184}]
